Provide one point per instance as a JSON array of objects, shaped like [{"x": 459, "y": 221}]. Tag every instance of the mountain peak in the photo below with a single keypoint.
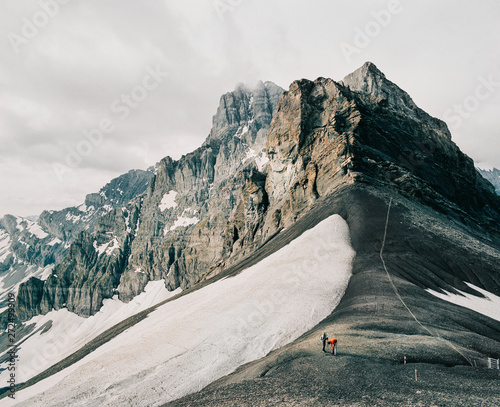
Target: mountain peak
[
  {"x": 369, "y": 68},
  {"x": 492, "y": 176},
  {"x": 244, "y": 110},
  {"x": 369, "y": 80}
]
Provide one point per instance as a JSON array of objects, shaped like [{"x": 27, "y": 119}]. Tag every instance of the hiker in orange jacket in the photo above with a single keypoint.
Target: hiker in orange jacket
[{"x": 333, "y": 343}]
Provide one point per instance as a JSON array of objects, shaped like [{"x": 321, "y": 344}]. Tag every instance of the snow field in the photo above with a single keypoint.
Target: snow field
[
  {"x": 69, "y": 332},
  {"x": 35, "y": 229},
  {"x": 181, "y": 221},
  {"x": 188, "y": 343},
  {"x": 489, "y": 306},
  {"x": 261, "y": 158},
  {"x": 108, "y": 247}
]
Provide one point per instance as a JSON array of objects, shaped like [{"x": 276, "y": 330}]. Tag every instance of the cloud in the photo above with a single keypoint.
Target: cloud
[{"x": 63, "y": 81}]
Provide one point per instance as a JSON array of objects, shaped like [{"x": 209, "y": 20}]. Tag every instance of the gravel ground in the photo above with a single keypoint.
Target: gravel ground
[{"x": 319, "y": 380}]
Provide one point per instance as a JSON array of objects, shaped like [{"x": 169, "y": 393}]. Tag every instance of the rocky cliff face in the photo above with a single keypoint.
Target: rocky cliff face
[
  {"x": 493, "y": 176},
  {"x": 66, "y": 224},
  {"x": 188, "y": 219},
  {"x": 181, "y": 228},
  {"x": 32, "y": 249},
  {"x": 268, "y": 158},
  {"x": 413, "y": 153},
  {"x": 26, "y": 249},
  {"x": 366, "y": 129}
]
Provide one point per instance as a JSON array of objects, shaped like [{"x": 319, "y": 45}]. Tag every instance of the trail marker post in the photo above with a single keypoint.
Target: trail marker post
[{"x": 493, "y": 363}]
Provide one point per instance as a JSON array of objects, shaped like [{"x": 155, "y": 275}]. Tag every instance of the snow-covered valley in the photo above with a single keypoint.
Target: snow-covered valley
[{"x": 188, "y": 343}]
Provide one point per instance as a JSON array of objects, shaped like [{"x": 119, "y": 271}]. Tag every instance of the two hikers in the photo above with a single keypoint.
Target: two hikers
[{"x": 332, "y": 342}]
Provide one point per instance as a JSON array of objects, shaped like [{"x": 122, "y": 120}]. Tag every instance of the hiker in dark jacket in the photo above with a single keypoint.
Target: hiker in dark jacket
[{"x": 324, "y": 339}]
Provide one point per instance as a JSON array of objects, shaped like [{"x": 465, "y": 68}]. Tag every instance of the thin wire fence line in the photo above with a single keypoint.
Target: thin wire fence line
[{"x": 396, "y": 291}]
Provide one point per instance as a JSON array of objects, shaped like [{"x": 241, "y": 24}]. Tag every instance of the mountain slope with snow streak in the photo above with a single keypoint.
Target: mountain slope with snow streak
[
  {"x": 188, "y": 343},
  {"x": 58, "y": 334},
  {"x": 488, "y": 305}
]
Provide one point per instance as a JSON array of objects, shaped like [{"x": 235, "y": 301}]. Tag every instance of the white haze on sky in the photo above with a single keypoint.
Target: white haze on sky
[{"x": 148, "y": 76}]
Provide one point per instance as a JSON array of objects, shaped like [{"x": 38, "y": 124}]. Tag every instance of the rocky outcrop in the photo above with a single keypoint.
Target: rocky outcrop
[
  {"x": 244, "y": 107},
  {"x": 26, "y": 250},
  {"x": 29, "y": 298},
  {"x": 187, "y": 227},
  {"x": 493, "y": 176},
  {"x": 67, "y": 223},
  {"x": 32, "y": 249},
  {"x": 28, "y": 242},
  {"x": 91, "y": 270},
  {"x": 368, "y": 130}
]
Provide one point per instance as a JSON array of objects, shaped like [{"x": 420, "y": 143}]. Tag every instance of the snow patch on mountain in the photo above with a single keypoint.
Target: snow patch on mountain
[
  {"x": 187, "y": 218},
  {"x": 168, "y": 201},
  {"x": 73, "y": 218},
  {"x": 489, "y": 306},
  {"x": 260, "y": 159},
  {"x": 107, "y": 248},
  {"x": 127, "y": 220},
  {"x": 54, "y": 241},
  {"x": 181, "y": 221},
  {"x": 82, "y": 207},
  {"x": 4, "y": 245},
  {"x": 35, "y": 229},
  {"x": 188, "y": 343}
]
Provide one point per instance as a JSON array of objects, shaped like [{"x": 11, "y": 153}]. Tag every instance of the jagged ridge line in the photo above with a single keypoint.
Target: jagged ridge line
[{"x": 396, "y": 291}]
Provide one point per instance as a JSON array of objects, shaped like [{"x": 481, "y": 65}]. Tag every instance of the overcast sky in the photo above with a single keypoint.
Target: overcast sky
[{"x": 90, "y": 89}]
